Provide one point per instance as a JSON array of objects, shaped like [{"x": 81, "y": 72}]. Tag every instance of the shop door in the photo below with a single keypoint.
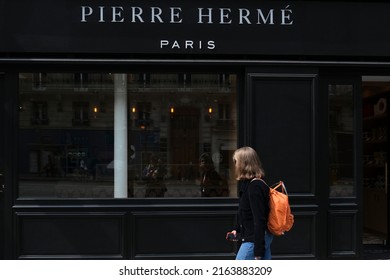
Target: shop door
[
  {"x": 2, "y": 203},
  {"x": 376, "y": 94}
]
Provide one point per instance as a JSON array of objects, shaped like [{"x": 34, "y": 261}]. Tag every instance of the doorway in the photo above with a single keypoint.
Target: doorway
[{"x": 376, "y": 152}]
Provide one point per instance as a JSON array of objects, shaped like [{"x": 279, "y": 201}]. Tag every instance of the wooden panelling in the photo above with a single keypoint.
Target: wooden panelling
[
  {"x": 300, "y": 241},
  {"x": 342, "y": 233},
  {"x": 155, "y": 234},
  {"x": 182, "y": 235},
  {"x": 70, "y": 235},
  {"x": 283, "y": 127}
]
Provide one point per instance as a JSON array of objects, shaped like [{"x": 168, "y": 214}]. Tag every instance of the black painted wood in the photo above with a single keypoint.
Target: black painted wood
[
  {"x": 160, "y": 234},
  {"x": 2, "y": 204},
  {"x": 300, "y": 241},
  {"x": 156, "y": 234},
  {"x": 281, "y": 120},
  {"x": 283, "y": 128},
  {"x": 343, "y": 234},
  {"x": 70, "y": 235}
]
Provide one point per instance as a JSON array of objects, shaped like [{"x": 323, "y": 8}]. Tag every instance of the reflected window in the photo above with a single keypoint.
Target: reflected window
[
  {"x": 175, "y": 134},
  {"x": 81, "y": 81},
  {"x": 39, "y": 81},
  {"x": 341, "y": 141},
  {"x": 39, "y": 113},
  {"x": 81, "y": 113}
]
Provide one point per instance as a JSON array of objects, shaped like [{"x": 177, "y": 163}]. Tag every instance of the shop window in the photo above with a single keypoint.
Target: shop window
[
  {"x": 39, "y": 113},
  {"x": 185, "y": 80},
  {"x": 224, "y": 115},
  {"x": 144, "y": 115},
  {"x": 81, "y": 81},
  {"x": 39, "y": 81},
  {"x": 224, "y": 111},
  {"x": 80, "y": 113},
  {"x": 206, "y": 81},
  {"x": 341, "y": 141},
  {"x": 160, "y": 124},
  {"x": 143, "y": 80},
  {"x": 164, "y": 80}
]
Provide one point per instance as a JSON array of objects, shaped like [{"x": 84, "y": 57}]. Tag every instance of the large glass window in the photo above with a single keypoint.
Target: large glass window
[{"x": 127, "y": 135}]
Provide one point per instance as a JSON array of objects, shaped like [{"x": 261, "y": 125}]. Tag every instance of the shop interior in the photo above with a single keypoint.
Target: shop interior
[{"x": 376, "y": 93}]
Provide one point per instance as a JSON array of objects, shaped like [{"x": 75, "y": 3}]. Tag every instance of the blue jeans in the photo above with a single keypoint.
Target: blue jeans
[{"x": 246, "y": 251}]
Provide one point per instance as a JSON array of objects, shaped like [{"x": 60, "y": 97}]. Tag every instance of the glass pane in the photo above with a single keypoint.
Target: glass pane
[
  {"x": 341, "y": 145},
  {"x": 127, "y": 135}
]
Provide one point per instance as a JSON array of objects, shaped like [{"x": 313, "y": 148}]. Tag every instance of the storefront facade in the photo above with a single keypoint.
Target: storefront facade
[{"x": 115, "y": 114}]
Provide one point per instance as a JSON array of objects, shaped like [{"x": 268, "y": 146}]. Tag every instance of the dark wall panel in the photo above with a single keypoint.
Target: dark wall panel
[
  {"x": 343, "y": 233},
  {"x": 156, "y": 234},
  {"x": 281, "y": 120},
  {"x": 182, "y": 234},
  {"x": 300, "y": 241},
  {"x": 74, "y": 235},
  {"x": 2, "y": 132},
  {"x": 283, "y": 123}
]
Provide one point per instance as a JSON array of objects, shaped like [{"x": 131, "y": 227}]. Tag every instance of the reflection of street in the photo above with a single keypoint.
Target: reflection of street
[
  {"x": 90, "y": 189},
  {"x": 65, "y": 189},
  {"x": 100, "y": 183},
  {"x": 179, "y": 189}
]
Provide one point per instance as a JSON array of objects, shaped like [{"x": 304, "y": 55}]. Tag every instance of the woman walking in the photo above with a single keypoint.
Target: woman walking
[{"x": 253, "y": 209}]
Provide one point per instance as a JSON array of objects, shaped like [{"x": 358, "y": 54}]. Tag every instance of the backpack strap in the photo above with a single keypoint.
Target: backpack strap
[
  {"x": 259, "y": 180},
  {"x": 278, "y": 185},
  {"x": 274, "y": 186}
]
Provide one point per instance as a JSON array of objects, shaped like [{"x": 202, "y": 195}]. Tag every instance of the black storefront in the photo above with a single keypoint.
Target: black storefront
[{"x": 94, "y": 93}]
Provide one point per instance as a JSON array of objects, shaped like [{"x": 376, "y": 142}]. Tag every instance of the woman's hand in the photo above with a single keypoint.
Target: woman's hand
[{"x": 231, "y": 235}]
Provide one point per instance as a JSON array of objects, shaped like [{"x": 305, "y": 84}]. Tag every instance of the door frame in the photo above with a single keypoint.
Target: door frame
[
  {"x": 2, "y": 160},
  {"x": 8, "y": 151},
  {"x": 343, "y": 210},
  {"x": 385, "y": 245}
]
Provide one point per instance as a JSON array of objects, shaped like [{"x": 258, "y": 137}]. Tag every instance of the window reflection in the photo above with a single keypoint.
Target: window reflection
[
  {"x": 67, "y": 137},
  {"x": 341, "y": 146}
]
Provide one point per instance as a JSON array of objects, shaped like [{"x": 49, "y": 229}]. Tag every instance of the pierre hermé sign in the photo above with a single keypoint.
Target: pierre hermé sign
[
  {"x": 194, "y": 27},
  {"x": 173, "y": 17}
]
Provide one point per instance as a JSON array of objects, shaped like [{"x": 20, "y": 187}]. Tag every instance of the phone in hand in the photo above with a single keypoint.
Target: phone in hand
[{"x": 231, "y": 236}]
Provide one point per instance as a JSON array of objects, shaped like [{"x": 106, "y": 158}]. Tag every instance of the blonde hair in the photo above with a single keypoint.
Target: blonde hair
[{"x": 247, "y": 164}]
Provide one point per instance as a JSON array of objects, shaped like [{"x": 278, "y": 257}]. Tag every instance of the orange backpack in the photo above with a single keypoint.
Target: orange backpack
[{"x": 280, "y": 218}]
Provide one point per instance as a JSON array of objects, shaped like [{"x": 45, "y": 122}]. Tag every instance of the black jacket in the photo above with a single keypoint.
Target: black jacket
[{"x": 252, "y": 213}]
